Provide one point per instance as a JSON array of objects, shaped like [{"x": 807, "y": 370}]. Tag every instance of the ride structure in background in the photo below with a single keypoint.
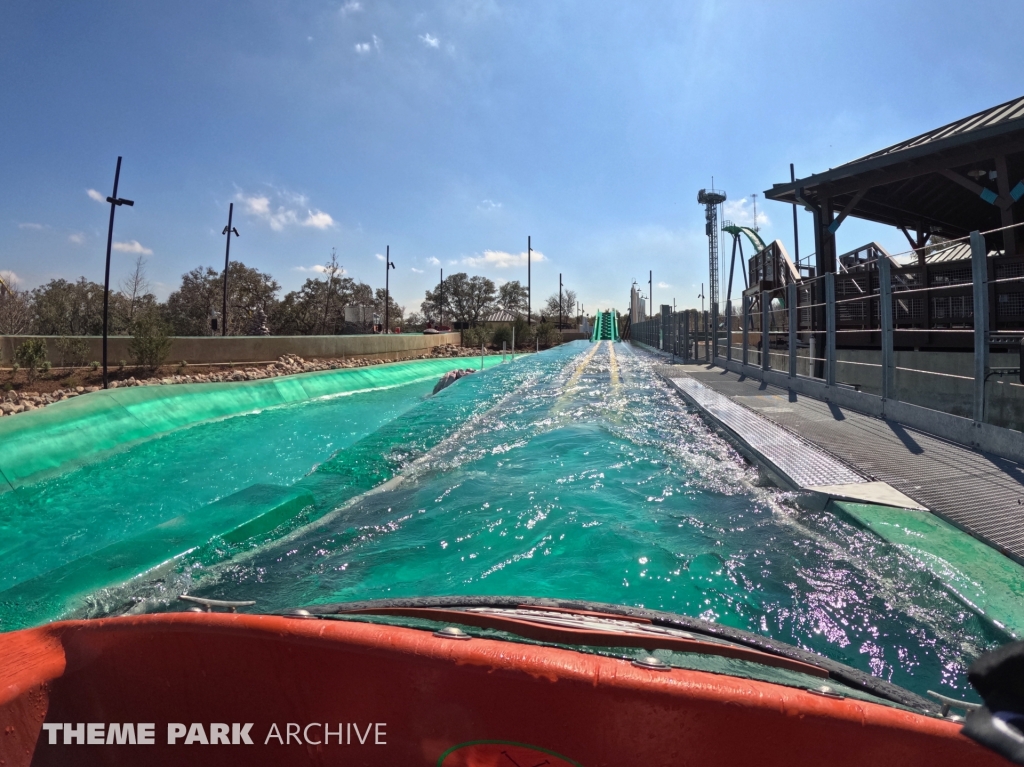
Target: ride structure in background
[
  {"x": 711, "y": 199},
  {"x": 606, "y": 326}
]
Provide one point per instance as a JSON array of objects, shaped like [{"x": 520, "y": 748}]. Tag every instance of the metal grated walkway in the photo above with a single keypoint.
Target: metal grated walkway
[
  {"x": 979, "y": 493},
  {"x": 802, "y": 463}
]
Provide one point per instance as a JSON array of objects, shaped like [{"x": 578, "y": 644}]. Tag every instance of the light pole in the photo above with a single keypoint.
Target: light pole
[
  {"x": 559, "y": 300},
  {"x": 114, "y": 201},
  {"x": 650, "y": 289},
  {"x": 529, "y": 287},
  {"x": 228, "y": 230},
  {"x": 440, "y": 301},
  {"x": 388, "y": 266}
]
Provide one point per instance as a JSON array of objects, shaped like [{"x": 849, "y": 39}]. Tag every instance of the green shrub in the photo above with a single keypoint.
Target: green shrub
[
  {"x": 121, "y": 365},
  {"x": 94, "y": 365},
  {"x": 548, "y": 335},
  {"x": 523, "y": 334},
  {"x": 45, "y": 367},
  {"x": 502, "y": 335},
  {"x": 475, "y": 337},
  {"x": 31, "y": 354},
  {"x": 149, "y": 345},
  {"x": 72, "y": 351}
]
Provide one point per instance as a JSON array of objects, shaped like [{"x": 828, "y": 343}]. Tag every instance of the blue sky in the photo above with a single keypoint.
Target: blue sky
[{"x": 452, "y": 130}]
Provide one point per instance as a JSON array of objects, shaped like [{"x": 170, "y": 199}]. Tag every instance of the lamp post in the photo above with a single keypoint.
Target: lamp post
[
  {"x": 388, "y": 266},
  {"x": 114, "y": 201},
  {"x": 529, "y": 290},
  {"x": 440, "y": 300},
  {"x": 228, "y": 230}
]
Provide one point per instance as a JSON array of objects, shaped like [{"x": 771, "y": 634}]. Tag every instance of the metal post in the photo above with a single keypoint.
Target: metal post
[
  {"x": 796, "y": 231},
  {"x": 791, "y": 300},
  {"x": 227, "y": 257},
  {"x": 686, "y": 337},
  {"x": 114, "y": 201},
  {"x": 746, "y": 330},
  {"x": 885, "y": 320},
  {"x": 830, "y": 330},
  {"x": 765, "y": 303},
  {"x": 387, "y": 302},
  {"x": 440, "y": 304},
  {"x": 979, "y": 267},
  {"x": 228, "y": 230},
  {"x": 529, "y": 284},
  {"x": 714, "y": 330},
  {"x": 728, "y": 330},
  {"x": 707, "y": 341},
  {"x": 513, "y": 343}
]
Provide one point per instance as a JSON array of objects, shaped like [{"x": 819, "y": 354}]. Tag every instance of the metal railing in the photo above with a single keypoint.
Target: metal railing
[{"x": 790, "y": 335}]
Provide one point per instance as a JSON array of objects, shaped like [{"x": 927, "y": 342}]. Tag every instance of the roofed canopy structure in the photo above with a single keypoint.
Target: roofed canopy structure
[{"x": 965, "y": 176}]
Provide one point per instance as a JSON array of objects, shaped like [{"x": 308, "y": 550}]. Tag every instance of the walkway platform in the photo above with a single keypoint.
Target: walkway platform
[{"x": 978, "y": 493}]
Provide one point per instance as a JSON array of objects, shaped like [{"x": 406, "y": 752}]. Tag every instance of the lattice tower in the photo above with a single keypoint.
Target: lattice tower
[{"x": 711, "y": 199}]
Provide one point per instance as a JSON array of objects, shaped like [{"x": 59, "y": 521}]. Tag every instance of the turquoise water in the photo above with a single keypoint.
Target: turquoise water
[
  {"x": 49, "y": 523},
  {"x": 567, "y": 474}
]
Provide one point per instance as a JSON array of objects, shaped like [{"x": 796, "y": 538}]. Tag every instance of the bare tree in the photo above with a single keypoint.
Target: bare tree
[
  {"x": 331, "y": 270},
  {"x": 134, "y": 287},
  {"x": 15, "y": 307}
]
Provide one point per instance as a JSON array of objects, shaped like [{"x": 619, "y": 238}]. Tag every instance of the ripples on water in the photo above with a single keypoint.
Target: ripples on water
[
  {"x": 574, "y": 475},
  {"x": 544, "y": 478}
]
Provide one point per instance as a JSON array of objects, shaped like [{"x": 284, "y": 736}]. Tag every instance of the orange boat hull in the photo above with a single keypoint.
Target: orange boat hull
[{"x": 412, "y": 698}]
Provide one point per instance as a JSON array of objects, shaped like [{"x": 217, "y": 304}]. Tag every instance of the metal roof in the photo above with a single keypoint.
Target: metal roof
[
  {"x": 500, "y": 315},
  {"x": 943, "y": 179},
  {"x": 993, "y": 116}
]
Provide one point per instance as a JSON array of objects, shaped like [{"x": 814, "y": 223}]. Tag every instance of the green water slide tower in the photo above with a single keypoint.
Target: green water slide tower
[{"x": 606, "y": 326}]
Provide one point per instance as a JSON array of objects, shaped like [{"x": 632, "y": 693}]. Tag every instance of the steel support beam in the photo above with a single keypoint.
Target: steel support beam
[
  {"x": 830, "y": 330},
  {"x": 885, "y": 320},
  {"x": 979, "y": 269},
  {"x": 791, "y": 301},
  {"x": 765, "y": 340},
  {"x": 746, "y": 330},
  {"x": 728, "y": 327}
]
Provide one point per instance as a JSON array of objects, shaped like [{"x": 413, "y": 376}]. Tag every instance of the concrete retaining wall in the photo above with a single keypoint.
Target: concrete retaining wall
[
  {"x": 241, "y": 349},
  {"x": 940, "y": 381}
]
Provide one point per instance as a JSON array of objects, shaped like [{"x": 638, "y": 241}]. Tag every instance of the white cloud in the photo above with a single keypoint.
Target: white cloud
[
  {"x": 29, "y": 225},
  {"x": 488, "y": 205},
  {"x": 351, "y": 7},
  {"x": 78, "y": 238},
  {"x": 362, "y": 47},
  {"x": 279, "y": 216},
  {"x": 433, "y": 261},
  {"x": 133, "y": 246},
  {"x": 418, "y": 271},
  {"x": 94, "y": 195},
  {"x": 379, "y": 256},
  {"x": 10, "y": 278},
  {"x": 376, "y": 42},
  {"x": 430, "y": 41},
  {"x": 499, "y": 259},
  {"x": 315, "y": 268},
  {"x": 664, "y": 285},
  {"x": 741, "y": 213},
  {"x": 318, "y": 220}
]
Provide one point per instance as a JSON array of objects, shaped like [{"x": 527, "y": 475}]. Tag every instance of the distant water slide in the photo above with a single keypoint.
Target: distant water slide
[{"x": 606, "y": 327}]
